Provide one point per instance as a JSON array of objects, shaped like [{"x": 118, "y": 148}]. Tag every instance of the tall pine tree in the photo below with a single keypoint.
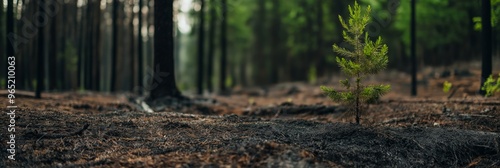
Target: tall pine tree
[{"x": 163, "y": 84}]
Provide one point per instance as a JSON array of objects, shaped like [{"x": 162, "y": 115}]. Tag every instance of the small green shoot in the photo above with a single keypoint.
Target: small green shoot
[
  {"x": 491, "y": 86},
  {"x": 447, "y": 86}
]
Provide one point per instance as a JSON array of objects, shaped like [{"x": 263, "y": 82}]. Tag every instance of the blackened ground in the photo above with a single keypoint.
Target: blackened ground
[
  {"x": 131, "y": 139},
  {"x": 286, "y": 125}
]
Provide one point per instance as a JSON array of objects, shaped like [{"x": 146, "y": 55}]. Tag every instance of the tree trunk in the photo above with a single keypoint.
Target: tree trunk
[
  {"x": 81, "y": 43},
  {"x": 163, "y": 84},
  {"x": 133, "y": 68},
  {"x": 10, "y": 30},
  {"x": 201, "y": 48},
  {"x": 140, "y": 56},
  {"x": 114, "y": 47},
  {"x": 320, "y": 58},
  {"x": 211, "y": 45},
  {"x": 223, "y": 32},
  {"x": 149, "y": 46},
  {"x": 96, "y": 62},
  {"x": 486, "y": 66},
  {"x": 53, "y": 52},
  {"x": 29, "y": 50},
  {"x": 3, "y": 72},
  {"x": 259, "y": 73},
  {"x": 89, "y": 47},
  {"x": 62, "y": 83},
  {"x": 413, "y": 50},
  {"x": 276, "y": 54},
  {"x": 41, "y": 54}
]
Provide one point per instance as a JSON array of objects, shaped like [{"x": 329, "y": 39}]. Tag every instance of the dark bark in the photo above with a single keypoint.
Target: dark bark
[
  {"x": 89, "y": 47},
  {"x": 53, "y": 52},
  {"x": 140, "y": 50},
  {"x": 486, "y": 66},
  {"x": 10, "y": 28},
  {"x": 223, "y": 43},
  {"x": 320, "y": 58},
  {"x": 114, "y": 47},
  {"x": 413, "y": 50},
  {"x": 75, "y": 21},
  {"x": 276, "y": 55},
  {"x": 163, "y": 84},
  {"x": 41, "y": 53},
  {"x": 149, "y": 44},
  {"x": 96, "y": 62},
  {"x": 29, "y": 51},
  {"x": 80, "y": 49},
  {"x": 3, "y": 55},
  {"x": 63, "y": 83},
  {"x": 211, "y": 45},
  {"x": 259, "y": 44},
  {"x": 132, "y": 49},
  {"x": 201, "y": 48},
  {"x": 302, "y": 62}
]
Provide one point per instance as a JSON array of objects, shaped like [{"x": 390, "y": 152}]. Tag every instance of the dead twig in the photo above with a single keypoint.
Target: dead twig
[{"x": 454, "y": 91}]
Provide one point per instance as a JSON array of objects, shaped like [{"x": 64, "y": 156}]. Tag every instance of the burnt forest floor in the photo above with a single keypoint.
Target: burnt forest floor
[{"x": 284, "y": 125}]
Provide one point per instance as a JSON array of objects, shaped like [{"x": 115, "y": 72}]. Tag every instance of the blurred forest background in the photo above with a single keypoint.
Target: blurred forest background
[{"x": 268, "y": 41}]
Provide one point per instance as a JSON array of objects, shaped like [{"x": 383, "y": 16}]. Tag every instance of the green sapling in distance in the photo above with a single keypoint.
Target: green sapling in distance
[{"x": 491, "y": 86}]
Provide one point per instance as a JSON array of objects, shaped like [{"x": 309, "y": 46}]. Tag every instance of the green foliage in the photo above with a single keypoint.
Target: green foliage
[
  {"x": 366, "y": 58},
  {"x": 495, "y": 14},
  {"x": 70, "y": 57},
  {"x": 446, "y": 21},
  {"x": 447, "y": 86},
  {"x": 299, "y": 18},
  {"x": 3, "y": 83},
  {"x": 491, "y": 85},
  {"x": 312, "y": 75}
]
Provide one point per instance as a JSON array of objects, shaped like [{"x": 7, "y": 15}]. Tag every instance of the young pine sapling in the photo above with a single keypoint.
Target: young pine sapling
[{"x": 366, "y": 58}]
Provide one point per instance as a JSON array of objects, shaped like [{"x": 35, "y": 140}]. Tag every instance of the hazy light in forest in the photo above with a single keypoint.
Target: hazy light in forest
[
  {"x": 186, "y": 5},
  {"x": 103, "y": 5},
  {"x": 183, "y": 23},
  {"x": 183, "y": 19},
  {"x": 80, "y": 3},
  {"x": 196, "y": 7},
  {"x": 136, "y": 9}
]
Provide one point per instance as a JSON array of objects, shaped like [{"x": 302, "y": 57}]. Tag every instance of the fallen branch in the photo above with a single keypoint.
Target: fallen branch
[{"x": 454, "y": 91}]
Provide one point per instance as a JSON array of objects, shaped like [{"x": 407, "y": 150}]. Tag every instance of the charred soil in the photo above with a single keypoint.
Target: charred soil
[{"x": 286, "y": 125}]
